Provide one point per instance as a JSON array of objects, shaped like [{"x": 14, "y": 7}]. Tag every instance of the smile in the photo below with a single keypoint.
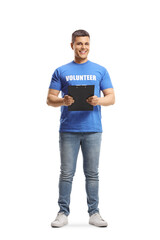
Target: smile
[{"x": 83, "y": 52}]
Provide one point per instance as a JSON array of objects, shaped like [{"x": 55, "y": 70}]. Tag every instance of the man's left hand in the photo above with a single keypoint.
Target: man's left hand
[{"x": 94, "y": 100}]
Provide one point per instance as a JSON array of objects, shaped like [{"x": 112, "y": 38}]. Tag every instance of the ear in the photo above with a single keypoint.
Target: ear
[{"x": 72, "y": 45}]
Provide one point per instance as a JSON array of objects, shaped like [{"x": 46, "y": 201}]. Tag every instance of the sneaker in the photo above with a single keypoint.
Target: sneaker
[
  {"x": 60, "y": 220},
  {"x": 97, "y": 220}
]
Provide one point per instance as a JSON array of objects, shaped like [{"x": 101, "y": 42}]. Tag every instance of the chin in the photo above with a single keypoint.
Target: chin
[{"x": 83, "y": 57}]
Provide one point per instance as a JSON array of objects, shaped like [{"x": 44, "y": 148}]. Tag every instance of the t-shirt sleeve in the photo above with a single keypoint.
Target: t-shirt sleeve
[
  {"x": 55, "y": 81},
  {"x": 106, "y": 81}
]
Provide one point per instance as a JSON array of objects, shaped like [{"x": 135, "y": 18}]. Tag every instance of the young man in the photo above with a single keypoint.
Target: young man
[{"x": 80, "y": 128}]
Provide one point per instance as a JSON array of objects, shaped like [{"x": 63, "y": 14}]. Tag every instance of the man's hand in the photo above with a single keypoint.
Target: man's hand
[
  {"x": 94, "y": 100},
  {"x": 68, "y": 100}
]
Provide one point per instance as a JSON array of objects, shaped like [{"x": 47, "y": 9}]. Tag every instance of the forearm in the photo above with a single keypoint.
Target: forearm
[
  {"x": 107, "y": 100},
  {"x": 55, "y": 101}
]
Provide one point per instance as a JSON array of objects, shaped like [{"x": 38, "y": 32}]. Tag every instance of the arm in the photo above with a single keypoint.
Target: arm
[
  {"x": 108, "y": 99},
  {"x": 55, "y": 101}
]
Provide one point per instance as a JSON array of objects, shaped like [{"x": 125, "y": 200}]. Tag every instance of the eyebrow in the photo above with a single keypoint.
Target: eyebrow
[{"x": 81, "y": 42}]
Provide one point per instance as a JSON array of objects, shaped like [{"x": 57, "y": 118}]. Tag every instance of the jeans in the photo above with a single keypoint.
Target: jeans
[{"x": 69, "y": 147}]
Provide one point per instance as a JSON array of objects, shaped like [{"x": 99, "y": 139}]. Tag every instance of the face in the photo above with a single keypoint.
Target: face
[{"x": 81, "y": 48}]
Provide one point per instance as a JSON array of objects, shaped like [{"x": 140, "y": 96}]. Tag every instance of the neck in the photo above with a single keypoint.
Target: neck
[{"x": 77, "y": 60}]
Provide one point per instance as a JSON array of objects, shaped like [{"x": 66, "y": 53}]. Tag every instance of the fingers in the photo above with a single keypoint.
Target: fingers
[
  {"x": 93, "y": 100},
  {"x": 68, "y": 100}
]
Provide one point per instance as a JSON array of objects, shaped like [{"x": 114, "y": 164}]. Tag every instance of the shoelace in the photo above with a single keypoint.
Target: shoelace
[
  {"x": 58, "y": 216},
  {"x": 99, "y": 216}
]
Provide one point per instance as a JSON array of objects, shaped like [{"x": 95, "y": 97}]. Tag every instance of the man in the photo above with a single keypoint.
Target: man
[{"x": 80, "y": 128}]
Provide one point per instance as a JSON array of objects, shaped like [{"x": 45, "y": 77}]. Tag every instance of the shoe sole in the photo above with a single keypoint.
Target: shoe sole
[
  {"x": 97, "y": 225},
  {"x": 59, "y": 226}
]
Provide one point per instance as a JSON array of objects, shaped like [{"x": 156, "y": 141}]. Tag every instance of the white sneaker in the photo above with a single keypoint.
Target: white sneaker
[
  {"x": 60, "y": 220},
  {"x": 97, "y": 220}
]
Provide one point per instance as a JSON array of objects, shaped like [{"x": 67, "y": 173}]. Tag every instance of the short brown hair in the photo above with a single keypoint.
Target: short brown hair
[{"x": 79, "y": 33}]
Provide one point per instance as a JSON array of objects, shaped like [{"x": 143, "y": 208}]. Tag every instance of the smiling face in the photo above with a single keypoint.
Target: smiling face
[{"x": 81, "y": 49}]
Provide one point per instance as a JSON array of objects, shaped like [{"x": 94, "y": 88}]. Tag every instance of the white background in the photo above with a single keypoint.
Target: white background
[{"x": 35, "y": 39}]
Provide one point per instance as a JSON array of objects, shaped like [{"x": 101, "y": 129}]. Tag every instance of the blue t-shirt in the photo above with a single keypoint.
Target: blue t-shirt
[{"x": 87, "y": 73}]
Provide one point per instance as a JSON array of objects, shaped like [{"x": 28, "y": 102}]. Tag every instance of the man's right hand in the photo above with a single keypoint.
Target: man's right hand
[{"x": 68, "y": 100}]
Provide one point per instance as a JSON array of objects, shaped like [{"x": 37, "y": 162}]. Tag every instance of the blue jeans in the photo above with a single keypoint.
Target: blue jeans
[{"x": 69, "y": 148}]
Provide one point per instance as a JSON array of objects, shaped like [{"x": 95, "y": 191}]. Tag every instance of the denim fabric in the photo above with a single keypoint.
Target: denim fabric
[{"x": 70, "y": 144}]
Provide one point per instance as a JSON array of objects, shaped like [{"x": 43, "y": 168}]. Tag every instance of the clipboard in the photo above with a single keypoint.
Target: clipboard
[{"x": 80, "y": 93}]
